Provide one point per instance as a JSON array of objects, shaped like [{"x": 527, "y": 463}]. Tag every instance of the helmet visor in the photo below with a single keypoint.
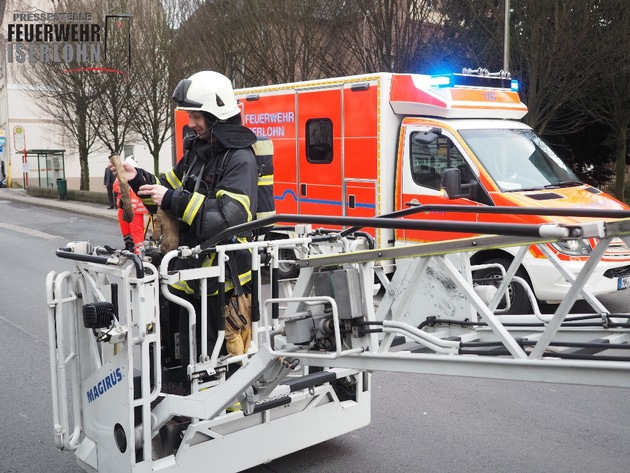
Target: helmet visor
[{"x": 181, "y": 91}]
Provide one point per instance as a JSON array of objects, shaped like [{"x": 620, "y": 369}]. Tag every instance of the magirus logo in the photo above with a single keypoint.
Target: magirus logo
[{"x": 104, "y": 385}]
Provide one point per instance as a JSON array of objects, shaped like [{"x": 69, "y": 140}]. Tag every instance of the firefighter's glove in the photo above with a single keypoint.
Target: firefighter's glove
[{"x": 238, "y": 324}]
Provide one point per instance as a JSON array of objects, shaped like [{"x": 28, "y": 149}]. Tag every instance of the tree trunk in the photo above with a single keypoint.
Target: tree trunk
[
  {"x": 620, "y": 162},
  {"x": 85, "y": 173}
]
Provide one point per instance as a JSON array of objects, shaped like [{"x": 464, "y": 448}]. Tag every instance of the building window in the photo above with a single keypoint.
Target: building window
[{"x": 128, "y": 150}]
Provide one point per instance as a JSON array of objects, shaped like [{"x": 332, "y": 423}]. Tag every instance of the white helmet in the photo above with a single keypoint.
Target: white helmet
[
  {"x": 130, "y": 159},
  {"x": 207, "y": 91}
]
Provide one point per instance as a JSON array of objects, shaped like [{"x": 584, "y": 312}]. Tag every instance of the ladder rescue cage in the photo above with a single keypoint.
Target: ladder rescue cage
[{"x": 122, "y": 402}]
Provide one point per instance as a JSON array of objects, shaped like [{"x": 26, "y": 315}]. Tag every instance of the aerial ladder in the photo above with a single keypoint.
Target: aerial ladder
[{"x": 306, "y": 377}]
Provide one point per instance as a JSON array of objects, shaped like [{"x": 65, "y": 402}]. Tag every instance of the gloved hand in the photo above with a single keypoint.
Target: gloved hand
[{"x": 238, "y": 324}]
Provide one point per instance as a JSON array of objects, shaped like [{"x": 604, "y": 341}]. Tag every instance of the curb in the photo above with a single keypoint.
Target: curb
[{"x": 92, "y": 210}]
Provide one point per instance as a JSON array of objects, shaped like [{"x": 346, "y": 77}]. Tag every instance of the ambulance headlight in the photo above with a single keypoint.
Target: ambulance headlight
[{"x": 573, "y": 247}]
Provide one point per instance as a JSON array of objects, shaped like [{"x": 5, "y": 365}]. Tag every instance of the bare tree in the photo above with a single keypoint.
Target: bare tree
[
  {"x": 275, "y": 41},
  {"x": 608, "y": 97},
  {"x": 67, "y": 94},
  {"x": 550, "y": 51},
  {"x": 207, "y": 37},
  {"x": 90, "y": 102},
  {"x": 67, "y": 97},
  {"x": 112, "y": 114},
  {"x": 152, "y": 110},
  {"x": 113, "y": 111},
  {"x": 473, "y": 30},
  {"x": 288, "y": 40},
  {"x": 263, "y": 41},
  {"x": 393, "y": 35}
]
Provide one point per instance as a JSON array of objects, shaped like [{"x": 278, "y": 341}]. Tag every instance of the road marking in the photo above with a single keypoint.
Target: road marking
[
  {"x": 20, "y": 328},
  {"x": 29, "y": 231}
]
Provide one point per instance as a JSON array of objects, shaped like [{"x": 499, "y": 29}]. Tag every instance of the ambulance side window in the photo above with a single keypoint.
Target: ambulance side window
[
  {"x": 319, "y": 140},
  {"x": 423, "y": 165},
  {"x": 448, "y": 156},
  {"x": 429, "y": 161}
]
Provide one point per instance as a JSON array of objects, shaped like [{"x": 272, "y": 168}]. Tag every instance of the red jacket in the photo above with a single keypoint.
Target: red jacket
[{"x": 136, "y": 204}]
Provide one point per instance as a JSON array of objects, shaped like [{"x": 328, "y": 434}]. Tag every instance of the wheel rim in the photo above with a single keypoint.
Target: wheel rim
[
  {"x": 285, "y": 254},
  {"x": 497, "y": 282}
]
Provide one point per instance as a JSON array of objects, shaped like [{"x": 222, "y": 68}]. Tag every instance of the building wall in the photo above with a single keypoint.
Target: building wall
[{"x": 18, "y": 108}]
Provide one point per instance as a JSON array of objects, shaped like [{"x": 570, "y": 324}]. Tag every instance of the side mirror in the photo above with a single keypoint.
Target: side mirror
[
  {"x": 451, "y": 183},
  {"x": 427, "y": 137}
]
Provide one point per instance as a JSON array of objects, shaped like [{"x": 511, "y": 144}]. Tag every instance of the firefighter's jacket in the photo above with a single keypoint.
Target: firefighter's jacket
[{"x": 207, "y": 203}]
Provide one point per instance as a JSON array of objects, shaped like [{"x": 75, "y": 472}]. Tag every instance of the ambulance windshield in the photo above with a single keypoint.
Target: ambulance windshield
[{"x": 518, "y": 160}]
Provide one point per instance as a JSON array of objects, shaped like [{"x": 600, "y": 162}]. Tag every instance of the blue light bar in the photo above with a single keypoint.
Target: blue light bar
[
  {"x": 440, "y": 81},
  {"x": 466, "y": 80}
]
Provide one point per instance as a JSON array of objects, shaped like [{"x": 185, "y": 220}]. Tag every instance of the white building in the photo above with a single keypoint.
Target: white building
[{"x": 36, "y": 150}]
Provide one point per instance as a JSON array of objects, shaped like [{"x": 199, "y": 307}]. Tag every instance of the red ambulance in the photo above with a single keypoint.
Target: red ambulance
[{"x": 371, "y": 144}]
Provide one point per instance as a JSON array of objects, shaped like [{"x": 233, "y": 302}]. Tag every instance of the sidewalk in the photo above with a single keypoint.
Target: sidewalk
[{"x": 73, "y": 206}]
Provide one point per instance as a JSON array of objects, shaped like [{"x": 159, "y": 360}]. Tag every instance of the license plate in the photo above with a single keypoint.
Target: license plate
[{"x": 623, "y": 282}]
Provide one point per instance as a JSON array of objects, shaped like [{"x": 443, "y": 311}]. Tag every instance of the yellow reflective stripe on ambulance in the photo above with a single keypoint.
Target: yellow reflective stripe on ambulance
[{"x": 192, "y": 208}]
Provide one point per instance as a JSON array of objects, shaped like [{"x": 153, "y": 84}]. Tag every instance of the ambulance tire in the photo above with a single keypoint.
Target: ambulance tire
[
  {"x": 287, "y": 270},
  {"x": 519, "y": 302}
]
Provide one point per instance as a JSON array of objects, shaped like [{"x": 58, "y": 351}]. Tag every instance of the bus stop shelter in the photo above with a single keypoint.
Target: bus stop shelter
[{"x": 51, "y": 165}]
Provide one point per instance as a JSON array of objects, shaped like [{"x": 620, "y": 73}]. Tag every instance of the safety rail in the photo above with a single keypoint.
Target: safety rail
[
  {"x": 66, "y": 436},
  {"x": 336, "y": 329},
  {"x": 395, "y": 220},
  {"x": 72, "y": 354},
  {"x": 604, "y": 232},
  {"x": 312, "y": 350}
]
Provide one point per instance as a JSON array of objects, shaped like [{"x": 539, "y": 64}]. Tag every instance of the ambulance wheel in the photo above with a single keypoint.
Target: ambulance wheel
[
  {"x": 519, "y": 302},
  {"x": 287, "y": 270}
]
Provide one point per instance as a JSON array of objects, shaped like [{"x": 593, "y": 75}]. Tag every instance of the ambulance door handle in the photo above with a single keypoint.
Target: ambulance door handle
[
  {"x": 303, "y": 189},
  {"x": 351, "y": 201}
]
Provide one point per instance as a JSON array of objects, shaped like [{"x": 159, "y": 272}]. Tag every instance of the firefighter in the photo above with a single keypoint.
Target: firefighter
[{"x": 213, "y": 187}]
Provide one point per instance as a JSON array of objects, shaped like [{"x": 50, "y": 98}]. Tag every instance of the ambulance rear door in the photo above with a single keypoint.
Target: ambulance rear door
[
  {"x": 272, "y": 115},
  {"x": 360, "y": 149},
  {"x": 320, "y": 190}
]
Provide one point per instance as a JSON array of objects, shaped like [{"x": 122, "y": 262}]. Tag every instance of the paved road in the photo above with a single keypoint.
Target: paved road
[
  {"x": 420, "y": 423},
  {"x": 29, "y": 237}
]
